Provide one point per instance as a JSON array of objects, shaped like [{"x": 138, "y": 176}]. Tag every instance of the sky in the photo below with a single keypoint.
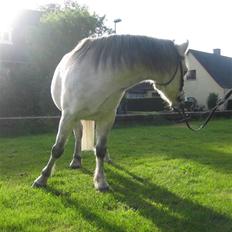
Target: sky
[{"x": 205, "y": 23}]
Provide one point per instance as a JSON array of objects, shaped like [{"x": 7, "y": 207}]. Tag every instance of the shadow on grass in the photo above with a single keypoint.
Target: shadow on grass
[
  {"x": 86, "y": 213},
  {"x": 166, "y": 210},
  {"x": 205, "y": 151}
]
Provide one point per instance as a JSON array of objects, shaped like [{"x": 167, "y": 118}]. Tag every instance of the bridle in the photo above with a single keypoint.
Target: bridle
[{"x": 181, "y": 109}]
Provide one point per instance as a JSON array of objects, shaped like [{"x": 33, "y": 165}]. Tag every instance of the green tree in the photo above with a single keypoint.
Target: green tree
[
  {"x": 60, "y": 29},
  {"x": 19, "y": 92},
  {"x": 26, "y": 91}
]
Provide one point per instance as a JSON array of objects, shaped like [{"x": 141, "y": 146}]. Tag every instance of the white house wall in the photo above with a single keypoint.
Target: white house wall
[{"x": 203, "y": 85}]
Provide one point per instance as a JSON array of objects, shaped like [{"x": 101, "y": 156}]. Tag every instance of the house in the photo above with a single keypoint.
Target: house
[
  {"x": 208, "y": 73},
  {"x": 141, "y": 97},
  {"x": 142, "y": 90}
]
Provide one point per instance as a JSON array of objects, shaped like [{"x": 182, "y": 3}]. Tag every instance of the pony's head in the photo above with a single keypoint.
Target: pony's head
[{"x": 172, "y": 90}]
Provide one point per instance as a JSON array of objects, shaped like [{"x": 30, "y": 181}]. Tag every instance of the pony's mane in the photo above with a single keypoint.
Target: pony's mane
[{"x": 117, "y": 50}]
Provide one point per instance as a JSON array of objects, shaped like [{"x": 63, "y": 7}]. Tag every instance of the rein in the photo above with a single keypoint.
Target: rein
[{"x": 185, "y": 118}]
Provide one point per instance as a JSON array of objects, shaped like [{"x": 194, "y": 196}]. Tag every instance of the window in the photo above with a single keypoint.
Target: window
[
  {"x": 191, "y": 75},
  {"x": 5, "y": 37},
  {"x": 135, "y": 95}
]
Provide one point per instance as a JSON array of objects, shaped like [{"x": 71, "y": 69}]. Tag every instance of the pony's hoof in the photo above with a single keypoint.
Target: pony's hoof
[
  {"x": 109, "y": 161},
  {"x": 102, "y": 187},
  {"x": 40, "y": 182},
  {"x": 75, "y": 164}
]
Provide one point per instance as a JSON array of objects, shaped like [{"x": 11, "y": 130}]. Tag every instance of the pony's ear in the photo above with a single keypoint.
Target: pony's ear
[{"x": 182, "y": 48}]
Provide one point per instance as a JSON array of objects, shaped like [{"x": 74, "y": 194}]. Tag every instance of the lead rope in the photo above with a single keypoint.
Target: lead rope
[{"x": 220, "y": 102}]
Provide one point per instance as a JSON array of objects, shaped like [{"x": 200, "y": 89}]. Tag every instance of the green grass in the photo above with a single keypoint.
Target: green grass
[{"x": 164, "y": 178}]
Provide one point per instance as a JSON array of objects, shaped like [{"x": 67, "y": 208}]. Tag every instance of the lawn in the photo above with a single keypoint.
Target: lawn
[{"x": 163, "y": 178}]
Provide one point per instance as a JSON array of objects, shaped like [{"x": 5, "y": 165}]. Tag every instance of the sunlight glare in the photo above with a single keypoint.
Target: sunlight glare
[{"x": 8, "y": 12}]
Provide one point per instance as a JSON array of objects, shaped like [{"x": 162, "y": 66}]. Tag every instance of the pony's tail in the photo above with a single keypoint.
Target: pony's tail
[{"x": 88, "y": 135}]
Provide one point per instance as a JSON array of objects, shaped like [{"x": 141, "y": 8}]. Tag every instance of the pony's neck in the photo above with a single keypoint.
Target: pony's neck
[{"x": 134, "y": 77}]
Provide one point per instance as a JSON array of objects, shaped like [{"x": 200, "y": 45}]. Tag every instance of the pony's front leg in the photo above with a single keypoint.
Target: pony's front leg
[
  {"x": 76, "y": 161},
  {"x": 65, "y": 127},
  {"x": 103, "y": 128}
]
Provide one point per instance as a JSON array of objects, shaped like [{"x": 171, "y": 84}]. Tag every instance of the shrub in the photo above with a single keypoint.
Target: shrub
[{"x": 212, "y": 100}]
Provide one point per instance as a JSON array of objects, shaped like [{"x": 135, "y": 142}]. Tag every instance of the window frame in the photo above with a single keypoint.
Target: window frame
[{"x": 191, "y": 75}]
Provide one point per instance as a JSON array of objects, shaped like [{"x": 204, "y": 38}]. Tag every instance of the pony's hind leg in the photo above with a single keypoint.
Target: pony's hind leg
[
  {"x": 76, "y": 161},
  {"x": 103, "y": 128},
  {"x": 65, "y": 128},
  {"x": 107, "y": 158}
]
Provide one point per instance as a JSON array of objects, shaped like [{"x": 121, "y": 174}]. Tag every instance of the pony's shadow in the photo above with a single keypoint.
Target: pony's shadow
[
  {"x": 147, "y": 198},
  {"x": 86, "y": 213}
]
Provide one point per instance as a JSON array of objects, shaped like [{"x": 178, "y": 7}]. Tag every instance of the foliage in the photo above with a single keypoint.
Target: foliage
[
  {"x": 60, "y": 30},
  {"x": 159, "y": 180},
  {"x": 26, "y": 91},
  {"x": 19, "y": 92},
  {"x": 212, "y": 100}
]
